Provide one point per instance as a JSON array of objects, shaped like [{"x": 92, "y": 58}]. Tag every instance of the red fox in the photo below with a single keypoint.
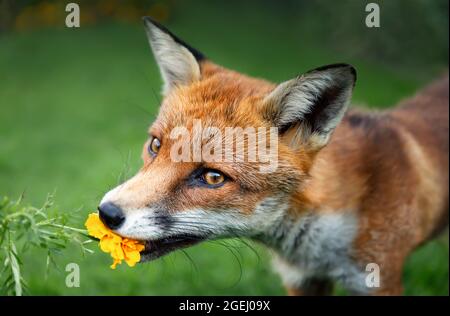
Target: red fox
[{"x": 348, "y": 188}]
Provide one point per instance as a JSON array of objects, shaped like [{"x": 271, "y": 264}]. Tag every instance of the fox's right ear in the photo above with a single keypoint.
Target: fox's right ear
[{"x": 177, "y": 61}]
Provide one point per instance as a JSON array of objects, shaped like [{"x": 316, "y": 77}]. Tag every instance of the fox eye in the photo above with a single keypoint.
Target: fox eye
[
  {"x": 213, "y": 178},
  {"x": 154, "y": 146}
]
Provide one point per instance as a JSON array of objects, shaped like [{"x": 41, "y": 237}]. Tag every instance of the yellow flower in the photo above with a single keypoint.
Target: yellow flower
[{"x": 118, "y": 247}]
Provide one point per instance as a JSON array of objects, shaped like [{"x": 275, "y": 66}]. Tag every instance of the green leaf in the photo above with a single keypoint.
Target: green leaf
[{"x": 15, "y": 267}]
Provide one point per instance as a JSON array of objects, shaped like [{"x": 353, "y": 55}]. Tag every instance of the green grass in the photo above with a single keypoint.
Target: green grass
[{"x": 74, "y": 108}]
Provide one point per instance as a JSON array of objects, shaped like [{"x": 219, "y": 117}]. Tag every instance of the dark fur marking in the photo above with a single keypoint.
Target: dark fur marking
[
  {"x": 302, "y": 231},
  {"x": 338, "y": 65},
  {"x": 322, "y": 112},
  {"x": 361, "y": 120},
  {"x": 198, "y": 55}
]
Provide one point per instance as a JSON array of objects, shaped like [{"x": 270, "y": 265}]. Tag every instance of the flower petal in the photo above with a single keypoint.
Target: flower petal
[
  {"x": 95, "y": 226},
  {"x": 119, "y": 248}
]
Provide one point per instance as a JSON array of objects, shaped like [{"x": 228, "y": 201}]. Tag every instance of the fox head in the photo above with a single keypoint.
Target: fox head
[{"x": 176, "y": 200}]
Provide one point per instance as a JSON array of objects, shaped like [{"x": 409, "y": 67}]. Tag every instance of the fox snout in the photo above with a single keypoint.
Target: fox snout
[{"x": 111, "y": 215}]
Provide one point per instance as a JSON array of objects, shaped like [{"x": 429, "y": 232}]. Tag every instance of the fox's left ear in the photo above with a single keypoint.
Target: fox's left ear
[
  {"x": 307, "y": 109},
  {"x": 177, "y": 61}
]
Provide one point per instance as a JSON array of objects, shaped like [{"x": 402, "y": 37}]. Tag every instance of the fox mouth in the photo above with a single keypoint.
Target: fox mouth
[{"x": 157, "y": 248}]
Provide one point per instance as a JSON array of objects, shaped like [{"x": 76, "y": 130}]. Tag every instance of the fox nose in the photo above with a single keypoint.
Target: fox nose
[{"x": 111, "y": 215}]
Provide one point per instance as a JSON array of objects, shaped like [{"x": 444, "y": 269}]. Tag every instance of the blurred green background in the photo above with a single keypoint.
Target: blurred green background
[{"x": 75, "y": 104}]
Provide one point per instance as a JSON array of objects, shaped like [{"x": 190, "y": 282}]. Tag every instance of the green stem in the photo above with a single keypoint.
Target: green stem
[{"x": 78, "y": 230}]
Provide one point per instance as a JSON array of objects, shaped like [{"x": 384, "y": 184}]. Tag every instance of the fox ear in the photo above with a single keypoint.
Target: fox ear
[
  {"x": 308, "y": 108},
  {"x": 177, "y": 61}
]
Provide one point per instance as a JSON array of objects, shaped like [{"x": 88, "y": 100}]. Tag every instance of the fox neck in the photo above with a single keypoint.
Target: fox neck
[
  {"x": 315, "y": 242},
  {"x": 319, "y": 217}
]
